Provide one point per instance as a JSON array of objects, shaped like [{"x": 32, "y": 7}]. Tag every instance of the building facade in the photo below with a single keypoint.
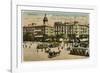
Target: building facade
[
  {"x": 68, "y": 31},
  {"x": 72, "y": 32},
  {"x": 39, "y": 32}
]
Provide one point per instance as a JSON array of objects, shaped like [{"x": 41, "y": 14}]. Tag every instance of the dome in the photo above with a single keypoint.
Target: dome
[{"x": 45, "y": 19}]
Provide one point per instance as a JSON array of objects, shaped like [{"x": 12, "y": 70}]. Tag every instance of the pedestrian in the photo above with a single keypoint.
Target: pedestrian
[
  {"x": 62, "y": 47},
  {"x": 58, "y": 48}
]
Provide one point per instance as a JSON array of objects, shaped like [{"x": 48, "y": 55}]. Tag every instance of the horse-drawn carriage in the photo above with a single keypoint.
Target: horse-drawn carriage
[{"x": 52, "y": 53}]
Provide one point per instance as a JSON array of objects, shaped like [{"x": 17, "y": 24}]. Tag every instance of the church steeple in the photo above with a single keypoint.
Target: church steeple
[{"x": 45, "y": 20}]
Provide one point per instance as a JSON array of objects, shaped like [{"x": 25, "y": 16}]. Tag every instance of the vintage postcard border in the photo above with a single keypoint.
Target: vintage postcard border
[{"x": 17, "y": 56}]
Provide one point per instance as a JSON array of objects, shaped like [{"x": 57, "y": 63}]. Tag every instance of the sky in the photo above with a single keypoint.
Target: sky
[{"x": 28, "y": 17}]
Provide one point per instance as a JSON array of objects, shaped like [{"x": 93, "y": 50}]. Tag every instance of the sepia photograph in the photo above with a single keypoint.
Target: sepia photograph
[{"x": 54, "y": 35}]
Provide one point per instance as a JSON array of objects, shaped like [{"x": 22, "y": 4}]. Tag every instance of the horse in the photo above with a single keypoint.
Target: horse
[
  {"x": 58, "y": 52},
  {"x": 53, "y": 53},
  {"x": 47, "y": 51}
]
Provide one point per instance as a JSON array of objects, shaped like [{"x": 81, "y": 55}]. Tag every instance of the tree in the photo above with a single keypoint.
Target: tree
[
  {"x": 58, "y": 36},
  {"x": 28, "y": 36}
]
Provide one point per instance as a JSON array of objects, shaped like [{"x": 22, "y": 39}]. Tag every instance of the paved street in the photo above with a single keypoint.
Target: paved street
[{"x": 30, "y": 53}]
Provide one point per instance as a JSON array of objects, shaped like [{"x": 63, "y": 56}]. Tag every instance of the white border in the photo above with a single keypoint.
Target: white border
[{"x": 18, "y": 65}]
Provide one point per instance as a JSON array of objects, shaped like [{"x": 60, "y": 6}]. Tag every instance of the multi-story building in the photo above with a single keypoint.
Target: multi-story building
[
  {"x": 60, "y": 28},
  {"x": 40, "y": 32},
  {"x": 71, "y": 31}
]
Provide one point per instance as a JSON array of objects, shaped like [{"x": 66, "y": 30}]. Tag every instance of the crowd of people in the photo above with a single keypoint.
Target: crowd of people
[{"x": 52, "y": 52}]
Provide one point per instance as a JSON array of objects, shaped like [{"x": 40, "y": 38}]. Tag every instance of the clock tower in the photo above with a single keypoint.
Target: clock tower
[{"x": 45, "y": 20}]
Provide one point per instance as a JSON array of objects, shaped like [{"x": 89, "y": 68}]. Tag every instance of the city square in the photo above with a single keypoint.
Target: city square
[
  {"x": 31, "y": 54},
  {"x": 55, "y": 37}
]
